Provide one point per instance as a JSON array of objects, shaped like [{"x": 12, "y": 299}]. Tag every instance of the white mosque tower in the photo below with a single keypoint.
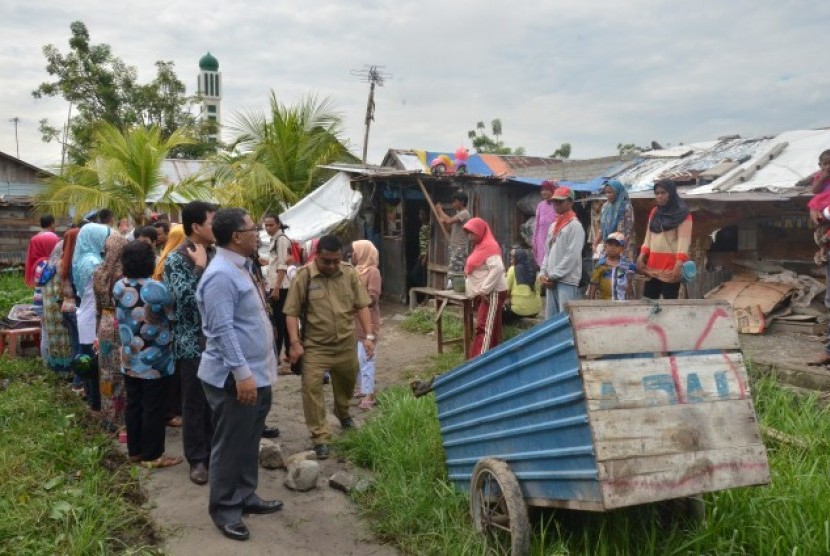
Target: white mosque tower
[{"x": 210, "y": 89}]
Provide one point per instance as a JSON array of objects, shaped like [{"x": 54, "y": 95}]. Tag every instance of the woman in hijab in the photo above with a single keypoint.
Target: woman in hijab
[
  {"x": 59, "y": 346},
  {"x": 174, "y": 239},
  {"x": 88, "y": 256},
  {"x": 523, "y": 287},
  {"x": 68, "y": 305},
  {"x": 485, "y": 284},
  {"x": 667, "y": 242},
  {"x": 365, "y": 259},
  {"x": 545, "y": 217},
  {"x": 617, "y": 215},
  {"x": 111, "y": 383},
  {"x": 40, "y": 247}
]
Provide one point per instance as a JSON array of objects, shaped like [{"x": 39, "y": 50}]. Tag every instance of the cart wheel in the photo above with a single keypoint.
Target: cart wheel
[{"x": 498, "y": 508}]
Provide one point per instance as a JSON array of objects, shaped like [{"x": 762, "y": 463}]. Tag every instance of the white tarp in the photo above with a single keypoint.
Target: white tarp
[{"x": 323, "y": 209}]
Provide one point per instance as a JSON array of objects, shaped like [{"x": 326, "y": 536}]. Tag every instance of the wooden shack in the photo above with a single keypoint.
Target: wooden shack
[{"x": 19, "y": 183}]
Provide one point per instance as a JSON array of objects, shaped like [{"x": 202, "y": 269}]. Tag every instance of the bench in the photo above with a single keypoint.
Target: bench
[{"x": 11, "y": 335}]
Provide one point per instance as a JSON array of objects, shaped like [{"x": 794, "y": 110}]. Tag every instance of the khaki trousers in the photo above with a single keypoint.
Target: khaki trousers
[{"x": 342, "y": 365}]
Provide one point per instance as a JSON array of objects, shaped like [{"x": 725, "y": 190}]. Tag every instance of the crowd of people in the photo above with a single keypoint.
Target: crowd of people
[{"x": 186, "y": 325}]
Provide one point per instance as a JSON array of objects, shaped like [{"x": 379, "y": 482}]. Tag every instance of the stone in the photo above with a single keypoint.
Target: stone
[
  {"x": 270, "y": 455},
  {"x": 363, "y": 485},
  {"x": 303, "y": 476},
  {"x": 342, "y": 481},
  {"x": 294, "y": 459}
]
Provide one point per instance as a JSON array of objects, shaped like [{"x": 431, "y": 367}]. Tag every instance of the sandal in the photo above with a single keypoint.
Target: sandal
[
  {"x": 819, "y": 362},
  {"x": 175, "y": 422},
  {"x": 135, "y": 459},
  {"x": 366, "y": 403},
  {"x": 162, "y": 462}
]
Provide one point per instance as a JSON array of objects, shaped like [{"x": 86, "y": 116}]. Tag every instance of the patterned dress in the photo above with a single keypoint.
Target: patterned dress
[
  {"x": 59, "y": 348},
  {"x": 111, "y": 383}
]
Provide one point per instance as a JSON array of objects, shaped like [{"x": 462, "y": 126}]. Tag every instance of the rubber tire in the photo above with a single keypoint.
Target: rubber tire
[{"x": 514, "y": 503}]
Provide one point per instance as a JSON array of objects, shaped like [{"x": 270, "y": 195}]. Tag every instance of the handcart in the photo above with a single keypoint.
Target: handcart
[{"x": 609, "y": 405}]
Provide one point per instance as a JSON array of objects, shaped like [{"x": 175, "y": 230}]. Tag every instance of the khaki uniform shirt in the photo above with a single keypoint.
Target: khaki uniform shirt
[{"x": 332, "y": 303}]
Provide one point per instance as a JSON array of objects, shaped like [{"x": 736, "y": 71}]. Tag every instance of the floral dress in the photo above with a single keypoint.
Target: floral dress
[{"x": 59, "y": 348}]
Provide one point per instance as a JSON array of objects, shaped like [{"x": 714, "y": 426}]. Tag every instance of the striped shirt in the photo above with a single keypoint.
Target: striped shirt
[{"x": 663, "y": 250}]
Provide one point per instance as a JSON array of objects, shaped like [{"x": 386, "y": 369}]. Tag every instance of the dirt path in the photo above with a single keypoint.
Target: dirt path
[{"x": 322, "y": 521}]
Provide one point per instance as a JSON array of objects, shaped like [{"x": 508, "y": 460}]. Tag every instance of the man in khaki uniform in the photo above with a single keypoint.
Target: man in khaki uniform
[{"x": 334, "y": 294}]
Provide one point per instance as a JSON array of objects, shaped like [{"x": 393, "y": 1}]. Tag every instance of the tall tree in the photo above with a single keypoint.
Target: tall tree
[
  {"x": 100, "y": 87},
  {"x": 124, "y": 174},
  {"x": 483, "y": 143},
  {"x": 564, "y": 151},
  {"x": 630, "y": 148},
  {"x": 276, "y": 155}
]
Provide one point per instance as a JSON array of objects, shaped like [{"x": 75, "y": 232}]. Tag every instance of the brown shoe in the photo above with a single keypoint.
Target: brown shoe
[{"x": 199, "y": 473}]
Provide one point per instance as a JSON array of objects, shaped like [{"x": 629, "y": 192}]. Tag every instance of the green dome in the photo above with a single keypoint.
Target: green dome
[{"x": 208, "y": 63}]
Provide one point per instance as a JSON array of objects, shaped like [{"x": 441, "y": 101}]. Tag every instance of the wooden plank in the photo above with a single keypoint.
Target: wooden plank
[
  {"x": 606, "y": 328},
  {"x": 641, "y": 480},
  {"x": 673, "y": 429},
  {"x": 647, "y": 382},
  {"x": 582, "y": 505},
  {"x": 432, "y": 207}
]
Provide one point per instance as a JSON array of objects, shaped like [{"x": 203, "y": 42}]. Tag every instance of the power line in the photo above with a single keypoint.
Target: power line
[{"x": 374, "y": 75}]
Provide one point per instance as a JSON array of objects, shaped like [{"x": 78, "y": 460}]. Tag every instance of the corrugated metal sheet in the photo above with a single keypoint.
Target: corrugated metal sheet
[
  {"x": 523, "y": 403},
  {"x": 17, "y": 189}
]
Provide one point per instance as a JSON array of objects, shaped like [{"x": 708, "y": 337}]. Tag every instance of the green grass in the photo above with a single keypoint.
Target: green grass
[
  {"x": 422, "y": 321},
  {"x": 414, "y": 506},
  {"x": 64, "y": 488},
  {"x": 12, "y": 291}
]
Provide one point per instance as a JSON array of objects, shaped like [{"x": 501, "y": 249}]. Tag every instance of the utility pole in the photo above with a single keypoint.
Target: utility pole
[
  {"x": 16, "y": 121},
  {"x": 374, "y": 75}
]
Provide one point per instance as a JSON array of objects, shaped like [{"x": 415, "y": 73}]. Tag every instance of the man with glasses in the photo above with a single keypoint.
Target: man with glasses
[
  {"x": 329, "y": 292},
  {"x": 562, "y": 266},
  {"x": 237, "y": 369}
]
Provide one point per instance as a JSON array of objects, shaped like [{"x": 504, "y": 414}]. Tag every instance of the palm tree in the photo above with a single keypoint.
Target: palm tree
[
  {"x": 123, "y": 173},
  {"x": 276, "y": 156}
]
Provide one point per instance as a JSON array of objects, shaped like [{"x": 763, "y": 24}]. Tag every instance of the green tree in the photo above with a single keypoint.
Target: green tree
[
  {"x": 564, "y": 151},
  {"x": 630, "y": 148},
  {"x": 100, "y": 87},
  {"x": 276, "y": 156},
  {"x": 483, "y": 143},
  {"x": 122, "y": 173}
]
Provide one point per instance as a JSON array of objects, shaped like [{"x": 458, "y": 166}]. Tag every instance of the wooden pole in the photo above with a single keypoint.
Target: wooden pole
[{"x": 432, "y": 207}]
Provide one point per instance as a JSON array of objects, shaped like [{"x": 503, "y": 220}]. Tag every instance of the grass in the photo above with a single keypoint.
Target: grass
[
  {"x": 422, "y": 321},
  {"x": 13, "y": 290},
  {"x": 64, "y": 488},
  {"x": 413, "y": 505}
]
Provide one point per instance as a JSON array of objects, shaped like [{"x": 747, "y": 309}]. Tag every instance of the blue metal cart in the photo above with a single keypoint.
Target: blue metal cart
[{"x": 609, "y": 405}]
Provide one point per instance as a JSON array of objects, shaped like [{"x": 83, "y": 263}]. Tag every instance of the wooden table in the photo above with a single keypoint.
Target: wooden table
[
  {"x": 451, "y": 297},
  {"x": 9, "y": 336}
]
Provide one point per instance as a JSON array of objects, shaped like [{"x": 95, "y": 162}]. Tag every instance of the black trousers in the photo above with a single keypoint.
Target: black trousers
[
  {"x": 174, "y": 395},
  {"x": 234, "y": 456},
  {"x": 280, "y": 327},
  {"x": 145, "y": 416},
  {"x": 654, "y": 288},
  {"x": 197, "y": 427}
]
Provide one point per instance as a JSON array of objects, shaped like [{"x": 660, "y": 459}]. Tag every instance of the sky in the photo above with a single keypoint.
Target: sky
[{"x": 592, "y": 73}]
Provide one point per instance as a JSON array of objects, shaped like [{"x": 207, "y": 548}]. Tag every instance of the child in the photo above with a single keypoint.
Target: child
[
  {"x": 818, "y": 204},
  {"x": 611, "y": 278}
]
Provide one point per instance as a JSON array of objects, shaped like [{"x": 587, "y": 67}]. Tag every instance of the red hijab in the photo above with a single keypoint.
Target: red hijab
[
  {"x": 485, "y": 248},
  {"x": 40, "y": 247}
]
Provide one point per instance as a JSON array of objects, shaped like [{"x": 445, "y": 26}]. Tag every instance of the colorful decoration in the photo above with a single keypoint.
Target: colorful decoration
[{"x": 443, "y": 165}]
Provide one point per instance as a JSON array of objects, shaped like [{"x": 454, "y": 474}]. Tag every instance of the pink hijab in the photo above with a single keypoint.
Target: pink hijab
[
  {"x": 364, "y": 256},
  {"x": 485, "y": 248}
]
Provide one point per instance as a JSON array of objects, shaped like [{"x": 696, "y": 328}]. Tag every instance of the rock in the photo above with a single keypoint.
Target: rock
[
  {"x": 303, "y": 475},
  {"x": 270, "y": 455},
  {"x": 342, "y": 481},
  {"x": 294, "y": 459},
  {"x": 363, "y": 485}
]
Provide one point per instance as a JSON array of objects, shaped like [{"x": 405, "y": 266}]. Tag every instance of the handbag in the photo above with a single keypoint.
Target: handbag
[{"x": 297, "y": 367}]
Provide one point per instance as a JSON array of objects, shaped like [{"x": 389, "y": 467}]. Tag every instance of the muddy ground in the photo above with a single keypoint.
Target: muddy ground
[{"x": 322, "y": 521}]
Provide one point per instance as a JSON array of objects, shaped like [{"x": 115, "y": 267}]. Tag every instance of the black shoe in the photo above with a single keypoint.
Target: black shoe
[
  {"x": 326, "y": 379},
  {"x": 270, "y": 432},
  {"x": 237, "y": 531},
  {"x": 322, "y": 451},
  {"x": 347, "y": 423},
  {"x": 199, "y": 473},
  {"x": 263, "y": 507}
]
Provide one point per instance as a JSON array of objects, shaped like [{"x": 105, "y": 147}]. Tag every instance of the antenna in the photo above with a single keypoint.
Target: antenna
[
  {"x": 16, "y": 121},
  {"x": 374, "y": 75}
]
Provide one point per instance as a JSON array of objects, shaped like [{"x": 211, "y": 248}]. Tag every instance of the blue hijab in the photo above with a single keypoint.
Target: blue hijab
[
  {"x": 612, "y": 213},
  {"x": 88, "y": 254}
]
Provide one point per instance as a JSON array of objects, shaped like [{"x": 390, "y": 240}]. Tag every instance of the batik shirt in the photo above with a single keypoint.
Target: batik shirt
[
  {"x": 143, "y": 310},
  {"x": 181, "y": 278}
]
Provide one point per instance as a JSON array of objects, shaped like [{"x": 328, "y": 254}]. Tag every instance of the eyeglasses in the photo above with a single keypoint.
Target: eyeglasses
[{"x": 253, "y": 229}]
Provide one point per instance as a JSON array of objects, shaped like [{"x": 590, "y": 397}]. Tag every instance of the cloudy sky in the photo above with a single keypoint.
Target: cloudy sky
[{"x": 590, "y": 72}]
